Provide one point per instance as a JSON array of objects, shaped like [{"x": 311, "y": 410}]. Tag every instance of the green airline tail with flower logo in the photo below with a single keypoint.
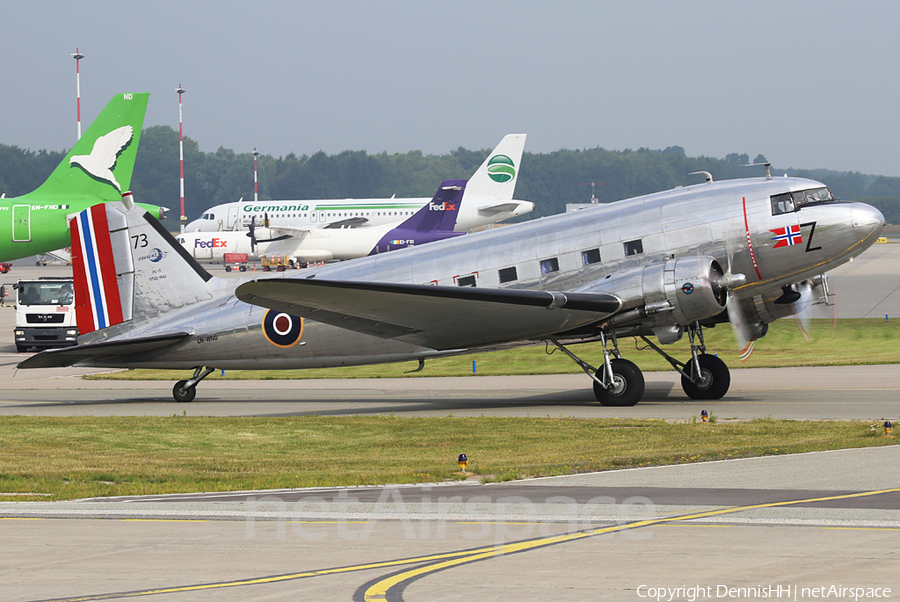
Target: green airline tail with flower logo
[{"x": 97, "y": 169}]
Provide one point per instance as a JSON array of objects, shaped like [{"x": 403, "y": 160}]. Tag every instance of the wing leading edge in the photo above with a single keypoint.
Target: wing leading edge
[{"x": 438, "y": 317}]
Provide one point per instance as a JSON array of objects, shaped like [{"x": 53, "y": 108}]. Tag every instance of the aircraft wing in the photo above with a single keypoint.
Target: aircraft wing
[
  {"x": 438, "y": 317},
  {"x": 68, "y": 356},
  {"x": 350, "y": 222},
  {"x": 282, "y": 232}
]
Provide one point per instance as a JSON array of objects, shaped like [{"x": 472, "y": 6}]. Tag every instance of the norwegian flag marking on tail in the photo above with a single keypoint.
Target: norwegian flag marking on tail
[
  {"x": 786, "y": 237},
  {"x": 97, "y": 300}
]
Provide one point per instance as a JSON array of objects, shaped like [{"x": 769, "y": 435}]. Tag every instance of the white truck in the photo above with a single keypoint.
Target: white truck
[{"x": 45, "y": 313}]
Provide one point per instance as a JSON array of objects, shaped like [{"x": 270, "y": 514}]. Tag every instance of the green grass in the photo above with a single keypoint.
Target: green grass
[
  {"x": 78, "y": 457},
  {"x": 859, "y": 341}
]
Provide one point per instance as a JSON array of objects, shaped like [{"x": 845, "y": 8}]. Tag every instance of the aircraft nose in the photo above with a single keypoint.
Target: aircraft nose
[{"x": 867, "y": 219}]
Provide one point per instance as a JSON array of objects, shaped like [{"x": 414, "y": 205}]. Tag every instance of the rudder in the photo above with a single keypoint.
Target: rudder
[
  {"x": 497, "y": 176},
  {"x": 101, "y": 163}
]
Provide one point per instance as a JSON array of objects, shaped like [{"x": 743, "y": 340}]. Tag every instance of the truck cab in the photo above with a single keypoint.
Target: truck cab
[{"x": 45, "y": 313}]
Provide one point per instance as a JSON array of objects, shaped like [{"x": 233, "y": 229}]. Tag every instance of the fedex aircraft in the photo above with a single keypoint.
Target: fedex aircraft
[
  {"x": 659, "y": 266},
  {"x": 97, "y": 169},
  {"x": 434, "y": 221},
  {"x": 489, "y": 199}
]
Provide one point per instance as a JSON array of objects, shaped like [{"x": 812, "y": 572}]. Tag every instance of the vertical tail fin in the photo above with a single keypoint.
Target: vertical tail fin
[
  {"x": 440, "y": 214},
  {"x": 435, "y": 221},
  {"x": 497, "y": 176},
  {"x": 101, "y": 163},
  {"x": 128, "y": 268}
]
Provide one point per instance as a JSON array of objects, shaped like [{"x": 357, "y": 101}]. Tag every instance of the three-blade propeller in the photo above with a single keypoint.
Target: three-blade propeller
[{"x": 252, "y": 232}]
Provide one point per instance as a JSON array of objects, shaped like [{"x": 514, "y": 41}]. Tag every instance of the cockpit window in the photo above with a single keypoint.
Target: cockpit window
[
  {"x": 814, "y": 196},
  {"x": 782, "y": 203},
  {"x": 795, "y": 201}
]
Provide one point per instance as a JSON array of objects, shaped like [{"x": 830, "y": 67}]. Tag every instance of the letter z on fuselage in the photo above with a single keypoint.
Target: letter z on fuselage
[{"x": 659, "y": 265}]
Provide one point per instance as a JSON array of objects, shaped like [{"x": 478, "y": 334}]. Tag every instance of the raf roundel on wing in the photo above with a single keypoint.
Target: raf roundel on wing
[{"x": 281, "y": 329}]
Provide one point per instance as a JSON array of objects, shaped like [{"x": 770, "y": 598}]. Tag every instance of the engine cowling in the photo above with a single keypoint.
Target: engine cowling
[{"x": 666, "y": 296}]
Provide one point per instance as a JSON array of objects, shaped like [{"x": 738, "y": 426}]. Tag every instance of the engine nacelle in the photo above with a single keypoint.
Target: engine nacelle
[{"x": 667, "y": 295}]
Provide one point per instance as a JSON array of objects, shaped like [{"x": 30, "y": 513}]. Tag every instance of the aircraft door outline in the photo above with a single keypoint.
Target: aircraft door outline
[
  {"x": 231, "y": 218},
  {"x": 21, "y": 223}
]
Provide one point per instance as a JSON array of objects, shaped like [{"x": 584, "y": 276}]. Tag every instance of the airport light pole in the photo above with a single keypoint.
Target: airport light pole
[
  {"x": 592, "y": 184},
  {"x": 255, "y": 186},
  {"x": 180, "y": 91},
  {"x": 78, "y": 56}
]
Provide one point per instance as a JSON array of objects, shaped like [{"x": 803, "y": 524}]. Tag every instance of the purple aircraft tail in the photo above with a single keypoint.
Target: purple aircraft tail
[{"x": 434, "y": 221}]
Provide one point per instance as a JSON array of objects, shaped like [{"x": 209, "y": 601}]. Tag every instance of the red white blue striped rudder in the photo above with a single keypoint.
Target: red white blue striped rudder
[{"x": 102, "y": 268}]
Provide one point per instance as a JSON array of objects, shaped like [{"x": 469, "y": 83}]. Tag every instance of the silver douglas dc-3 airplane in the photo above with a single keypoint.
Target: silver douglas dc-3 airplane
[{"x": 748, "y": 251}]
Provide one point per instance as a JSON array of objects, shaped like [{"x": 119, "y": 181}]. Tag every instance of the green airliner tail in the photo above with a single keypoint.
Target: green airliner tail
[
  {"x": 97, "y": 169},
  {"x": 100, "y": 165}
]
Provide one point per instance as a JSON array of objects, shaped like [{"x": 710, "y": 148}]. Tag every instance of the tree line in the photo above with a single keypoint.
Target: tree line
[{"x": 551, "y": 180}]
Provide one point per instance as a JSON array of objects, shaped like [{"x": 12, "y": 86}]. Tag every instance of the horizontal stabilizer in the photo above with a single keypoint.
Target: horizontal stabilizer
[
  {"x": 69, "y": 356},
  {"x": 498, "y": 208},
  {"x": 439, "y": 317}
]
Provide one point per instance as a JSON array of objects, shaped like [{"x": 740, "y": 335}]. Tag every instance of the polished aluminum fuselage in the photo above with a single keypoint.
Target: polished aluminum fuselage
[{"x": 724, "y": 220}]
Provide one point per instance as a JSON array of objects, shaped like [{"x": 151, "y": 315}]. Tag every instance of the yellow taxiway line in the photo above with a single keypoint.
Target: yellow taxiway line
[{"x": 435, "y": 562}]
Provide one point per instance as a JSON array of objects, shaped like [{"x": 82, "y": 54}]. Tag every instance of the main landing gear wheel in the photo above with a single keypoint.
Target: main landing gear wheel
[
  {"x": 627, "y": 387},
  {"x": 183, "y": 393},
  {"x": 714, "y": 378}
]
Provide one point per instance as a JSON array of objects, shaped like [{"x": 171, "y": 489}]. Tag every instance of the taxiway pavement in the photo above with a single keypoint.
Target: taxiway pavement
[
  {"x": 786, "y": 522},
  {"x": 809, "y": 393}
]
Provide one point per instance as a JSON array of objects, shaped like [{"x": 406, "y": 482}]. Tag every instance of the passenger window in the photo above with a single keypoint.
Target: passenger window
[
  {"x": 466, "y": 280},
  {"x": 782, "y": 203},
  {"x": 549, "y": 266},
  {"x": 634, "y": 247},
  {"x": 508, "y": 275},
  {"x": 591, "y": 256}
]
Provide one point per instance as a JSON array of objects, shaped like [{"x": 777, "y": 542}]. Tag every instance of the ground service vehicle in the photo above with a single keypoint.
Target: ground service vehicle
[
  {"x": 45, "y": 314},
  {"x": 236, "y": 261}
]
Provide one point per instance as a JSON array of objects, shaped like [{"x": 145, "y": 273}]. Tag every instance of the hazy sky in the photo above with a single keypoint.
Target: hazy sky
[{"x": 808, "y": 84}]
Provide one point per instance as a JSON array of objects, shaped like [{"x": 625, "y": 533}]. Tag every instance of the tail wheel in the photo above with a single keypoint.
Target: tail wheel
[
  {"x": 182, "y": 393},
  {"x": 627, "y": 387},
  {"x": 713, "y": 381}
]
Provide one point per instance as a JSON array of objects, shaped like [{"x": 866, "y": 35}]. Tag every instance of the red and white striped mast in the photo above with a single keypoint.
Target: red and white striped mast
[
  {"x": 255, "y": 186},
  {"x": 180, "y": 91},
  {"x": 78, "y": 56}
]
